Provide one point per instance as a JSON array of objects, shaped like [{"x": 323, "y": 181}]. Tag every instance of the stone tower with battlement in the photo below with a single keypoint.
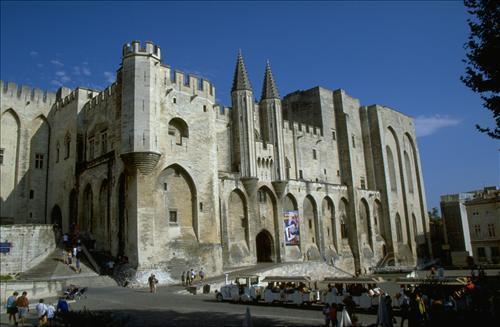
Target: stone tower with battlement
[{"x": 153, "y": 168}]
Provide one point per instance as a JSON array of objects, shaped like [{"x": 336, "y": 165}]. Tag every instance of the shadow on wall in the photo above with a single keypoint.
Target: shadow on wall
[{"x": 24, "y": 172}]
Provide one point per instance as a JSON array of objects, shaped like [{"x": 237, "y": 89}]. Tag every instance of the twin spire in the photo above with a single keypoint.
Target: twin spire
[{"x": 241, "y": 81}]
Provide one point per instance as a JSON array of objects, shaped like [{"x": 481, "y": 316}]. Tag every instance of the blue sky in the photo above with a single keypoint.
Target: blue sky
[{"x": 405, "y": 55}]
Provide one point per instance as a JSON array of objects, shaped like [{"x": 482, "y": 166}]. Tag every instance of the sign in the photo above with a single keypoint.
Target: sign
[
  {"x": 5, "y": 247},
  {"x": 292, "y": 229}
]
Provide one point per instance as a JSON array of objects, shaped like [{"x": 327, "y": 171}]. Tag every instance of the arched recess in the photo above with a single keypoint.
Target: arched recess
[
  {"x": 344, "y": 223},
  {"x": 409, "y": 175},
  {"x": 364, "y": 219},
  {"x": 88, "y": 212},
  {"x": 39, "y": 164},
  {"x": 392, "y": 170},
  {"x": 121, "y": 206},
  {"x": 289, "y": 203},
  {"x": 414, "y": 158},
  {"x": 311, "y": 220},
  {"x": 399, "y": 229},
  {"x": 180, "y": 198},
  {"x": 267, "y": 210},
  {"x": 178, "y": 130},
  {"x": 104, "y": 223},
  {"x": 56, "y": 216},
  {"x": 10, "y": 127},
  {"x": 237, "y": 217},
  {"x": 328, "y": 212}
]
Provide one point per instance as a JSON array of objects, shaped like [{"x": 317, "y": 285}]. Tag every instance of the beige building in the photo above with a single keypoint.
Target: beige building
[
  {"x": 483, "y": 212},
  {"x": 155, "y": 169},
  {"x": 471, "y": 225}
]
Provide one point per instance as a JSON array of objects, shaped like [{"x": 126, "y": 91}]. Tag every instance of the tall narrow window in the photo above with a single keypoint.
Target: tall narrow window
[
  {"x": 172, "y": 216},
  {"x": 104, "y": 142},
  {"x": 301, "y": 176},
  {"x": 38, "y": 160},
  {"x": 2, "y": 151},
  {"x": 57, "y": 152},
  {"x": 477, "y": 230},
  {"x": 491, "y": 230},
  {"x": 314, "y": 154},
  {"x": 353, "y": 141},
  {"x": 363, "y": 183},
  {"x": 91, "y": 148},
  {"x": 334, "y": 137},
  {"x": 67, "y": 143}
]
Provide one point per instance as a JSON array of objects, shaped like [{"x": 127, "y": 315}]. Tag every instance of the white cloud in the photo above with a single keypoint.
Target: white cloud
[
  {"x": 65, "y": 79},
  {"x": 85, "y": 63},
  {"x": 77, "y": 71},
  {"x": 86, "y": 71},
  {"x": 33, "y": 53},
  {"x": 110, "y": 77},
  {"x": 60, "y": 73},
  {"x": 428, "y": 125},
  {"x": 56, "y": 62},
  {"x": 56, "y": 82},
  {"x": 39, "y": 65}
]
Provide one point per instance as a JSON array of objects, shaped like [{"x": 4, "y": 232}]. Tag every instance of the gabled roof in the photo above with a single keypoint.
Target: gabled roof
[{"x": 269, "y": 89}]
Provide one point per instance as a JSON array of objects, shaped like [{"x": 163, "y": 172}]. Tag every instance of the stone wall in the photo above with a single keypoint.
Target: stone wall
[{"x": 30, "y": 245}]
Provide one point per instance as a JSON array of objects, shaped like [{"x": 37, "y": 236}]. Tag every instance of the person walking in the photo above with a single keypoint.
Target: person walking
[
  {"x": 22, "y": 304},
  {"x": 202, "y": 274},
  {"x": 193, "y": 275},
  {"x": 152, "y": 281},
  {"x": 77, "y": 261},
  {"x": 326, "y": 313},
  {"x": 183, "y": 278},
  {"x": 51, "y": 312},
  {"x": 41, "y": 311},
  {"x": 11, "y": 307},
  {"x": 188, "y": 278}
]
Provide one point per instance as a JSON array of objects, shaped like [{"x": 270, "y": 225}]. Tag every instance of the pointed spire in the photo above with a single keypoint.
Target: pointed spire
[
  {"x": 269, "y": 89},
  {"x": 240, "y": 81}
]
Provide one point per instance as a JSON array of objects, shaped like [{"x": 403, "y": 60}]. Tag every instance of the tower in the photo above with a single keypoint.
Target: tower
[
  {"x": 243, "y": 122},
  {"x": 140, "y": 106},
  {"x": 272, "y": 121}
]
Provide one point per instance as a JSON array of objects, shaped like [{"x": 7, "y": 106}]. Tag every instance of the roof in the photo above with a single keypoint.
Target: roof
[
  {"x": 352, "y": 280},
  {"x": 269, "y": 89},
  {"x": 287, "y": 279},
  {"x": 459, "y": 281},
  {"x": 241, "y": 81}
]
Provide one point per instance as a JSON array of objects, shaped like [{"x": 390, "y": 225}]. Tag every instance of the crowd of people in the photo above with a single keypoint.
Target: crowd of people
[
  {"x": 18, "y": 309},
  {"x": 189, "y": 277}
]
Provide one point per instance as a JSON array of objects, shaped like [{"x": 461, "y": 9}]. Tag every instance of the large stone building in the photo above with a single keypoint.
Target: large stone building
[
  {"x": 153, "y": 168},
  {"x": 472, "y": 225}
]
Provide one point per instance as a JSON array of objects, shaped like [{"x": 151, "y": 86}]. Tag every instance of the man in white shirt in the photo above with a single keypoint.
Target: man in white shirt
[{"x": 41, "y": 311}]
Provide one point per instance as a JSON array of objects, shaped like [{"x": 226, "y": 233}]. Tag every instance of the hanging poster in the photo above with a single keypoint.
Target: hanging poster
[{"x": 291, "y": 222}]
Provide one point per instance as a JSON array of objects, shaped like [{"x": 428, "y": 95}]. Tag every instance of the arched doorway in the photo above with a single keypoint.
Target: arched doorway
[
  {"x": 56, "y": 216},
  {"x": 264, "y": 242}
]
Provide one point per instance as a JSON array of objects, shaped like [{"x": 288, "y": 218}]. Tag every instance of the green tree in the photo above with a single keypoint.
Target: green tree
[
  {"x": 482, "y": 74},
  {"x": 434, "y": 214}
]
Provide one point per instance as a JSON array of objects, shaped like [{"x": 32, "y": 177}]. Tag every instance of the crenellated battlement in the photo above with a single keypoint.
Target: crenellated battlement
[
  {"x": 145, "y": 49},
  {"x": 102, "y": 98},
  {"x": 26, "y": 93},
  {"x": 223, "y": 113},
  {"x": 303, "y": 129}
]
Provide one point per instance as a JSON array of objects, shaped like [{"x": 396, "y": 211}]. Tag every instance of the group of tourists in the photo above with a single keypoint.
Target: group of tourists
[
  {"x": 18, "y": 309},
  {"x": 72, "y": 249},
  {"x": 189, "y": 277}
]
